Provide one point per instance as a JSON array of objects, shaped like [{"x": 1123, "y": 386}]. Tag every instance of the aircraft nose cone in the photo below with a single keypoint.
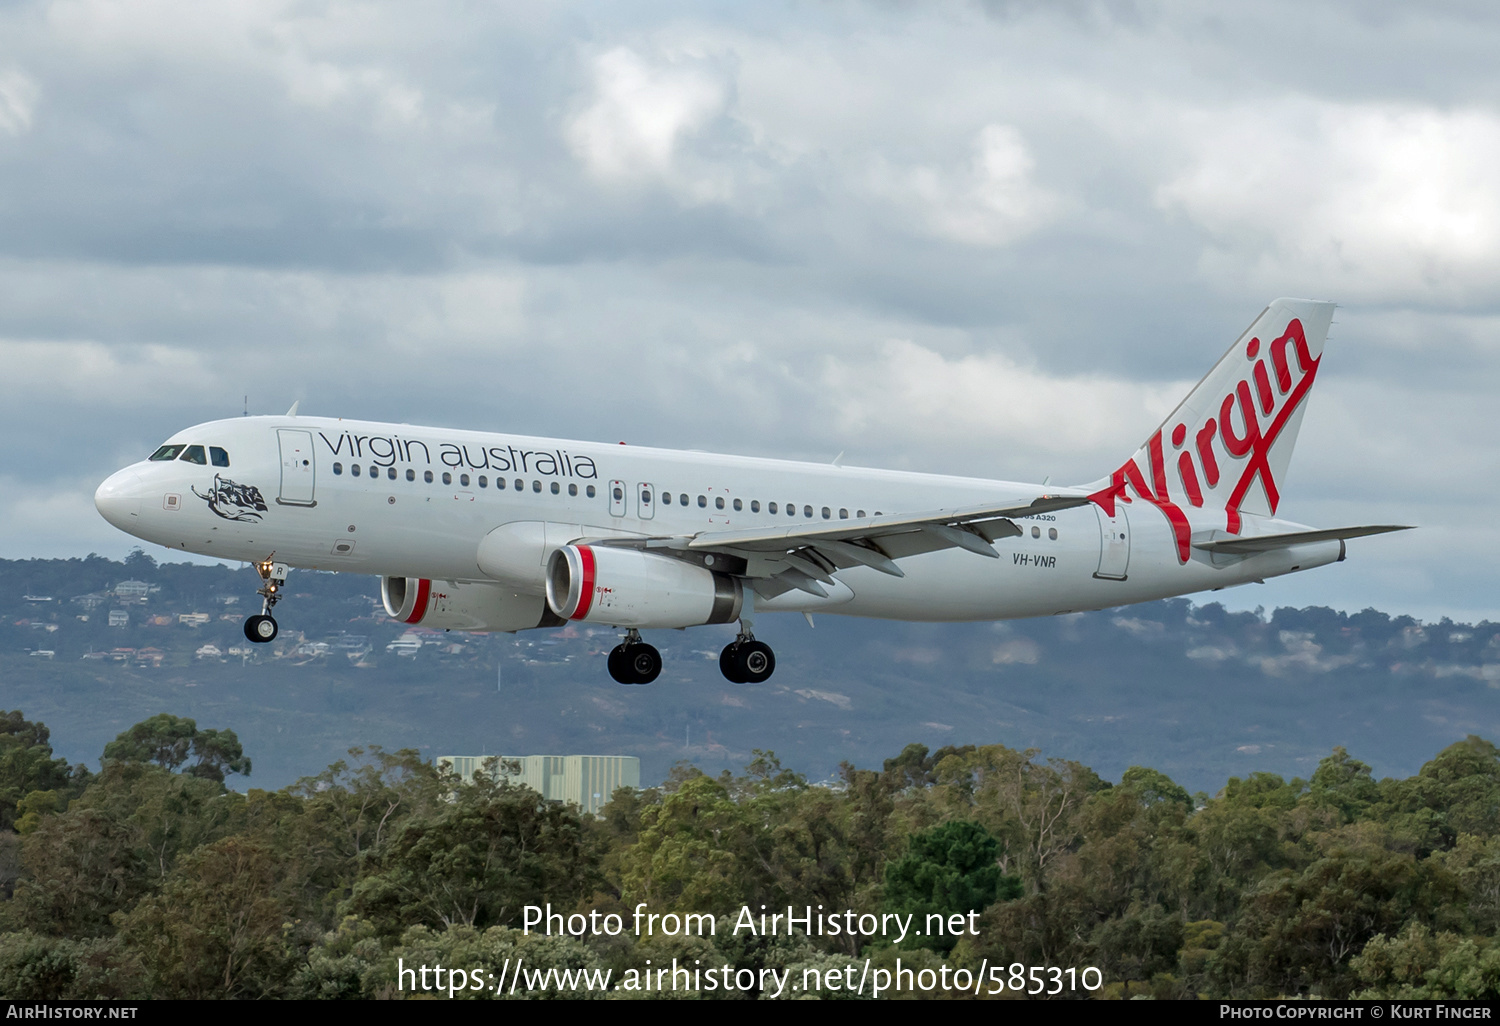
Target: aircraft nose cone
[{"x": 119, "y": 500}]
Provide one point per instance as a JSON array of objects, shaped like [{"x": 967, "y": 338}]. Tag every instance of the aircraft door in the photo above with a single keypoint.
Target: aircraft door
[
  {"x": 298, "y": 470},
  {"x": 617, "y": 498},
  {"x": 1114, "y": 543},
  {"x": 645, "y": 494}
]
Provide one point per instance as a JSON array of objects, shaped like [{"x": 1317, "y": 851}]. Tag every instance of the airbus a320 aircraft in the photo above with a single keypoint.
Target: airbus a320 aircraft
[{"x": 478, "y": 531}]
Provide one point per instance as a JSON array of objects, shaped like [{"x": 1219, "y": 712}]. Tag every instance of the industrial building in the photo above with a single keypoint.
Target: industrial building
[{"x": 586, "y": 781}]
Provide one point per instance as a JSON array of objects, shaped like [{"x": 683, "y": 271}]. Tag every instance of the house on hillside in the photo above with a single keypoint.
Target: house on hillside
[{"x": 132, "y": 591}]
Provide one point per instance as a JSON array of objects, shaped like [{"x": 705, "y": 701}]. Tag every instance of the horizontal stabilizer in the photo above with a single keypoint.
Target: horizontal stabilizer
[{"x": 1271, "y": 542}]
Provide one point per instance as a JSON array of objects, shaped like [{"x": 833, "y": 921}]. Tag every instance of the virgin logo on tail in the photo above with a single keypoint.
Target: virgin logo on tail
[{"x": 1218, "y": 457}]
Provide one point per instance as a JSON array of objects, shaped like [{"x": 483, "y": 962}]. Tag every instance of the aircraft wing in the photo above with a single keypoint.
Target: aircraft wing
[
  {"x": 1271, "y": 542},
  {"x": 778, "y": 559}
]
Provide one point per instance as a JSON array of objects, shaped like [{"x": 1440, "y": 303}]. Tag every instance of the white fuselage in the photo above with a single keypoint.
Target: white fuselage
[{"x": 402, "y": 501}]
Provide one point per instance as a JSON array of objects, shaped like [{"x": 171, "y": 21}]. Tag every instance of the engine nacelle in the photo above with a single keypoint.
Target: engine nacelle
[
  {"x": 463, "y": 605},
  {"x": 631, "y": 588}
]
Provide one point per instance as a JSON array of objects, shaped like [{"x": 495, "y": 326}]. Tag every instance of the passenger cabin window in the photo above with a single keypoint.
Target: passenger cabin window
[
  {"x": 194, "y": 454},
  {"x": 447, "y": 478},
  {"x": 719, "y": 502},
  {"x": 738, "y": 505},
  {"x": 771, "y": 507},
  {"x": 167, "y": 452},
  {"x": 411, "y": 475},
  {"x": 338, "y": 468},
  {"x": 682, "y": 500},
  {"x": 591, "y": 491},
  {"x": 463, "y": 480},
  {"x": 572, "y": 489},
  {"x": 217, "y": 456},
  {"x": 354, "y": 469},
  {"x": 427, "y": 476},
  {"x": 755, "y": 506}
]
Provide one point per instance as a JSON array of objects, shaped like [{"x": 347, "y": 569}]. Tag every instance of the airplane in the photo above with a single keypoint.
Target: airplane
[{"x": 483, "y": 531}]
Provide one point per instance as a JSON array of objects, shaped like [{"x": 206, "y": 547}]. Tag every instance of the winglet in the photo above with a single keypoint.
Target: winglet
[{"x": 293, "y": 411}]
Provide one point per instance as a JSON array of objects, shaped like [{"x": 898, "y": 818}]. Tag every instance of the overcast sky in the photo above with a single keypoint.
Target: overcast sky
[{"x": 991, "y": 239}]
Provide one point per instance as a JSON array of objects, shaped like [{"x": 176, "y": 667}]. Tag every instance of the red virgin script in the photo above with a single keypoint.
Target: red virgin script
[{"x": 1247, "y": 446}]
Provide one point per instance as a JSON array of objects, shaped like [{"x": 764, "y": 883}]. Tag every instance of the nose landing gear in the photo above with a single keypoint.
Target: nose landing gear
[
  {"x": 633, "y": 661},
  {"x": 262, "y": 627}
]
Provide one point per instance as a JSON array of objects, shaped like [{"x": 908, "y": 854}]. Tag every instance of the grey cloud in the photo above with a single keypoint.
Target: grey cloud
[{"x": 392, "y": 214}]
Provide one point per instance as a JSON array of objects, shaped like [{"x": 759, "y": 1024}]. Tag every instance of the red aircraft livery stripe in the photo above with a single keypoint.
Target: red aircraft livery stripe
[
  {"x": 586, "y": 586},
  {"x": 419, "y": 608}
]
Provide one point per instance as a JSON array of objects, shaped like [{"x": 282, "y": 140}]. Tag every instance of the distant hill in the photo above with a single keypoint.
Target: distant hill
[{"x": 1191, "y": 690}]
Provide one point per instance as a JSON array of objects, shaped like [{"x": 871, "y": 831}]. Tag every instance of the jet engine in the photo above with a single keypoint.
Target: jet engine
[
  {"x": 630, "y": 588},
  {"x": 464, "y": 605}
]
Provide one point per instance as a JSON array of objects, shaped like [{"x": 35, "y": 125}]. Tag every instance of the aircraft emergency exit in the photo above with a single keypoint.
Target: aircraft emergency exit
[{"x": 480, "y": 531}]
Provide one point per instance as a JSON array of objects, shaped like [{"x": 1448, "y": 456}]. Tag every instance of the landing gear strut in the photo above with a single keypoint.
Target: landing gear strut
[
  {"x": 262, "y": 627},
  {"x": 633, "y": 661},
  {"x": 745, "y": 660}
]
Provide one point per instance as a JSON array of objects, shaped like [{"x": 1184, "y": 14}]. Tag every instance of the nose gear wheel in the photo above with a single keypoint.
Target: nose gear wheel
[{"x": 262, "y": 627}]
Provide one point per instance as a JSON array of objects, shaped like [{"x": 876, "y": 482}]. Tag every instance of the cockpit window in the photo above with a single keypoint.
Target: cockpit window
[
  {"x": 194, "y": 454},
  {"x": 219, "y": 457},
  {"x": 167, "y": 452}
]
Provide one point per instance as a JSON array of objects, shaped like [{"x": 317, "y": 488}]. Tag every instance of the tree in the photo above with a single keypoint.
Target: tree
[
  {"x": 169, "y": 741},
  {"x": 170, "y": 814},
  {"x": 689, "y": 851},
  {"x": 27, "y": 765},
  {"x": 475, "y": 861},
  {"x": 1031, "y": 808},
  {"x": 218, "y": 926},
  {"x": 949, "y": 869},
  {"x": 340, "y": 819},
  {"x": 1343, "y": 784},
  {"x": 1418, "y": 966},
  {"x": 1299, "y": 930},
  {"x": 80, "y": 868}
]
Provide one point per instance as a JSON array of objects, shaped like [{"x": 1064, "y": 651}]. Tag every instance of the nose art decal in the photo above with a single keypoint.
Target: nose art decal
[{"x": 234, "y": 501}]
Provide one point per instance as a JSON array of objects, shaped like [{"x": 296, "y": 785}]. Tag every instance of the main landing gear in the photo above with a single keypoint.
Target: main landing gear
[
  {"x": 262, "y": 628},
  {"x": 745, "y": 660},
  {"x": 633, "y": 661}
]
